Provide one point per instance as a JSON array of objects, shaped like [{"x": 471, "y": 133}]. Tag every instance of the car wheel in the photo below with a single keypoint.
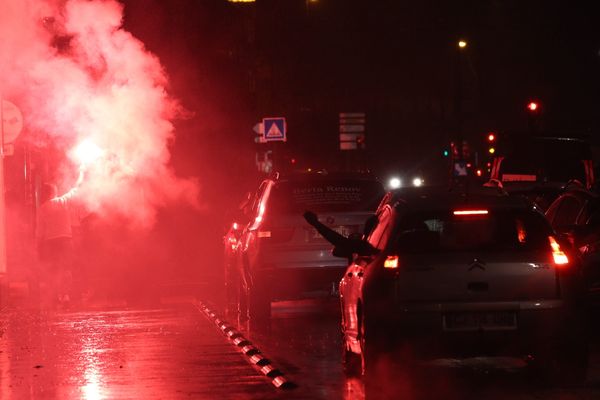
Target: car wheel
[
  {"x": 572, "y": 363},
  {"x": 564, "y": 363},
  {"x": 370, "y": 346},
  {"x": 232, "y": 289},
  {"x": 259, "y": 302},
  {"x": 352, "y": 362}
]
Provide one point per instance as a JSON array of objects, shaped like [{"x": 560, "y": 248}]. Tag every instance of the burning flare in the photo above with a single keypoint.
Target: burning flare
[{"x": 87, "y": 83}]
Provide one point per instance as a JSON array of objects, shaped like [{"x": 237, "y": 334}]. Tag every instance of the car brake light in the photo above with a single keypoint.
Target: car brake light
[
  {"x": 560, "y": 258},
  {"x": 470, "y": 212},
  {"x": 391, "y": 262}
]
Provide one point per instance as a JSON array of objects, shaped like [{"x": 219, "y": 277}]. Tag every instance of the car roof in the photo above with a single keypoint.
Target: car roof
[
  {"x": 427, "y": 198},
  {"x": 326, "y": 176},
  {"x": 580, "y": 192}
]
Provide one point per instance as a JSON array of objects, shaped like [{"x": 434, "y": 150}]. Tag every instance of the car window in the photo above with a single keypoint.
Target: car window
[
  {"x": 380, "y": 233},
  {"x": 324, "y": 196},
  {"x": 499, "y": 230},
  {"x": 545, "y": 159},
  {"x": 592, "y": 217},
  {"x": 567, "y": 211}
]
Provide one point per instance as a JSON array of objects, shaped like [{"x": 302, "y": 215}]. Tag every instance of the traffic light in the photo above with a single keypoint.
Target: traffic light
[
  {"x": 533, "y": 106},
  {"x": 491, "y": 142}
]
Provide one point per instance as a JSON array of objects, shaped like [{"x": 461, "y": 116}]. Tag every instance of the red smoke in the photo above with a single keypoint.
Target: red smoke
[{"x": 77, "y": 75}]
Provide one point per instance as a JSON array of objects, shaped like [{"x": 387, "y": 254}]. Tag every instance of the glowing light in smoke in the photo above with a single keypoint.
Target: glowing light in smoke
[
  {"x": 87, "y": 152},
  {"x": 77, "y": 73}
]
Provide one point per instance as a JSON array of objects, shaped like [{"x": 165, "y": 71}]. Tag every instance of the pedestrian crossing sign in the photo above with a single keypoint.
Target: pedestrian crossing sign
[{"x": 274, "y": 129}]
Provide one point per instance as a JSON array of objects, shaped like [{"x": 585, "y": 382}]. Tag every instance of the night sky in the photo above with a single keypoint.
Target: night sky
[{"x": 397, "y": 61}]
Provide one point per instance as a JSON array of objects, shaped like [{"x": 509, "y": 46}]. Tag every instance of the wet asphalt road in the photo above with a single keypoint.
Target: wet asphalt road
[
  {"x": 171, "y": 350},
  {"x": 303, "y": 338}
]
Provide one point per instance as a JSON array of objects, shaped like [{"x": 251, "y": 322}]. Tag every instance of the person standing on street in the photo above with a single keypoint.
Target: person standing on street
[{"x": 54, "y": 235}]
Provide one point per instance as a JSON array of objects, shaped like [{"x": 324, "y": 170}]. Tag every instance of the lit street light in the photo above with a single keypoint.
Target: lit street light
[{"x": 462, "y": 44}]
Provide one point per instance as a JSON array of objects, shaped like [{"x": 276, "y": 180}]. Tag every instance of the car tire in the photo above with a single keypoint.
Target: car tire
[
  {"x": 232, "y": 290},
  {"x": 352, "y": 363},
  {"x": 572, "y": 364},
  {"x": 259, "y": 302},
  {"x": 371, "y": 344},
  {"x": 566, "y": 361}
]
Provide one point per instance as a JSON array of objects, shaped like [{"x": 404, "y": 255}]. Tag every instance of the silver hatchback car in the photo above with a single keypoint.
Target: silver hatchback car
[
  {"x": 280, "y": 256},
  {"x": 454, "y": 274}
]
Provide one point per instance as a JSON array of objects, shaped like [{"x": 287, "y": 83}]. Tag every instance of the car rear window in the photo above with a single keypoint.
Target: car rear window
[
  {"x": 325, "y": 196},
  {"x": 498, "y": 230},
  {"x": 545, "y": 160}
]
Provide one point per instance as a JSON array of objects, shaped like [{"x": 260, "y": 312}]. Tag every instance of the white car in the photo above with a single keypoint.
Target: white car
[{"x": 280, "y": 255}]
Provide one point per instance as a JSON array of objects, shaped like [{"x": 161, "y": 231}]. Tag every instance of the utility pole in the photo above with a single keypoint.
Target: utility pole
[{"x": 458, "y": 168}]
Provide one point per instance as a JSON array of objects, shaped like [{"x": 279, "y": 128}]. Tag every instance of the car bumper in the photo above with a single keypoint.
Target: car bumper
[
  {"x": 425, "y": 328},
  {"x": 300, "y": 280}
]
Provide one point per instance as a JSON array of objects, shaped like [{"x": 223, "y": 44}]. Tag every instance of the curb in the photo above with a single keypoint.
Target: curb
[{"x": 252, "y": 354}]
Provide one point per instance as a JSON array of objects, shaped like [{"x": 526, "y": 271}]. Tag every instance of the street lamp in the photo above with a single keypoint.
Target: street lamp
[
  {"x": 533, "y": 114},
  {"x": 460, "y": 54}
]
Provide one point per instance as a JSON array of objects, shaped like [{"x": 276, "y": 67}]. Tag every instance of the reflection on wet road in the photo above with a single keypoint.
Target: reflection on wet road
[
  {"x": 133, "y": 354},
  {"x": 175, "y": 352}
]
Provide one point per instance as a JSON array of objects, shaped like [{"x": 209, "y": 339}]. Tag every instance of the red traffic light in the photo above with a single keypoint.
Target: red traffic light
[
  {"x": 533, "y": 106},
  {"x": 491, "y": 137}
]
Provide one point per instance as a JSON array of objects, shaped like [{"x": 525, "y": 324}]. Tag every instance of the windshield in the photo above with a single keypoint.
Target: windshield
[
  {"x": 502, "y": 230},
  {"x": 325, "y": 196}
]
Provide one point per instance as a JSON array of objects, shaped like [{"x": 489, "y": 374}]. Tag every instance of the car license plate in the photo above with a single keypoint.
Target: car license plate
[
  {"x": 314, "y": 235},
  {"x": 474, "y": 321}
]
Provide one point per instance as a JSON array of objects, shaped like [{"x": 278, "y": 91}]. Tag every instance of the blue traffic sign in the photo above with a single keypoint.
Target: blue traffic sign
[{"x": 274, "y": 129}]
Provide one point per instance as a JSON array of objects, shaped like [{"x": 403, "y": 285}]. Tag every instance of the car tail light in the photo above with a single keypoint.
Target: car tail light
[
  {"x": 391, "y": 262},
  {"x": 560, "y": 258},
  {"x": 470, "y": 212}
]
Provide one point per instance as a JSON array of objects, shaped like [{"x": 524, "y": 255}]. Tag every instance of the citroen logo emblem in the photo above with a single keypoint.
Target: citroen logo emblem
[{"x": 477, "y": 263}]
